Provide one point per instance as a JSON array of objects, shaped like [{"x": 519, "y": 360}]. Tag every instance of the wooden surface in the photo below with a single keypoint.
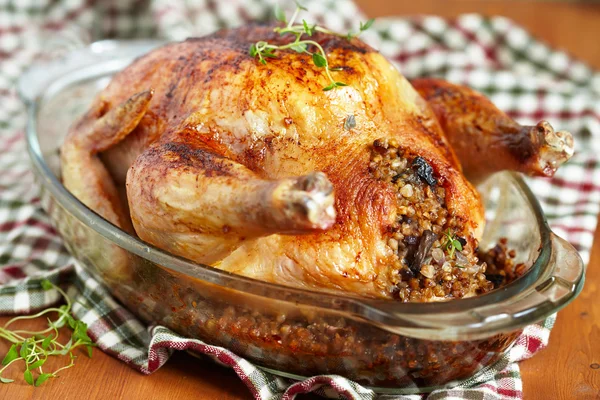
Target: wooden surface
[
  {"x": 567, "y": 369},
  {"x": 566, "y": 25}
]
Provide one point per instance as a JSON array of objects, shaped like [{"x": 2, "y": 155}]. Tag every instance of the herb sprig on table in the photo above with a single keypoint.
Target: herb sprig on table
[
  {"x": 263, "y": 50},
  {"x": 34, "y": 348}
]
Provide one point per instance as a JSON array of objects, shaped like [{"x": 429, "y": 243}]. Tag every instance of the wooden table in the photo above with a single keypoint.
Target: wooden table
[{"x": 567, "y": 369}]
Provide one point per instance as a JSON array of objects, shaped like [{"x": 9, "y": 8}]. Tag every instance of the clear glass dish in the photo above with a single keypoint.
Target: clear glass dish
[{"x": 390, "y": 346}]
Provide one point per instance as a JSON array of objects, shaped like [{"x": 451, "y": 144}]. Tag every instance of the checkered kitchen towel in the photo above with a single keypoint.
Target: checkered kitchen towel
[{"x": 493, "y": 55}]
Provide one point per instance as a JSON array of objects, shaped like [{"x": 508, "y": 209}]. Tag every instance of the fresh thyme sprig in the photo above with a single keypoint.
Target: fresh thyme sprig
[
  {"x": 451, "y": 244},
  {"x": 263, "y": 50},
  {"x": 34, "y": 348}
]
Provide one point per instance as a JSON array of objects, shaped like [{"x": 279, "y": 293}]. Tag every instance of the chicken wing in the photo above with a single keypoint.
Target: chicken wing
[{"x": 476, "y": 129}]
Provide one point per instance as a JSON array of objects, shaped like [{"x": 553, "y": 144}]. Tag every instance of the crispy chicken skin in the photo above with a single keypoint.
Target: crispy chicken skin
[{"x": 252, "y": 169}]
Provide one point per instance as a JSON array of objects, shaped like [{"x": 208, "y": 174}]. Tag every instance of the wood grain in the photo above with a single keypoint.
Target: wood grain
[
  {"x": 572, "y": 359},
  {"x": 566, "y": 25},
  {"x": 565, "y": 370}
]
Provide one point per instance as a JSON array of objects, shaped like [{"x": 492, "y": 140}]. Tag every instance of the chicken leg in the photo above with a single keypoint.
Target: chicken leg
[
  {"x": 486, "y": 140},
  {"x": 235, "y": 204}
]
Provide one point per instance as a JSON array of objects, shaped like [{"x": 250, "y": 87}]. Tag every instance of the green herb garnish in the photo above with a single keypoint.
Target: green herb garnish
[
  {"x": 263, "y": 50},
  {"x": 451, "y": 244},
  {"x": 34, "y": 348}
]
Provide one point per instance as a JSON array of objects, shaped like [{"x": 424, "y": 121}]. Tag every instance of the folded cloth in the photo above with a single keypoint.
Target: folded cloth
[{"x": 521, "y": 75}]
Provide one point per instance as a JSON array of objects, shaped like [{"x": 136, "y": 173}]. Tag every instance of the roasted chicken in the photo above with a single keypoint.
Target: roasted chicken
[{"x": 254, "y": 169}]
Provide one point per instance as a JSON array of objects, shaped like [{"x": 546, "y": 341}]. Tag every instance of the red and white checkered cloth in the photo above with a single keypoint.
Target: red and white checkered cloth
[{"x": 520, "y": 74}]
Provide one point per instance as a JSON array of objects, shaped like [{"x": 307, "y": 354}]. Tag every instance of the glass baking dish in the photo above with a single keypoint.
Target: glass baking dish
[{"x": 386, "y": 345}]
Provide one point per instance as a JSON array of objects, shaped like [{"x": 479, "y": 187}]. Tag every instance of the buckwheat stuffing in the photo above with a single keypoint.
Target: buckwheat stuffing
[{"x": 433, "y": 262}]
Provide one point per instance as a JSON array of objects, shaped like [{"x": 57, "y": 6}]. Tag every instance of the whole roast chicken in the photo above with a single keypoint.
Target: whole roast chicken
[{"x": 202, "y": 151}]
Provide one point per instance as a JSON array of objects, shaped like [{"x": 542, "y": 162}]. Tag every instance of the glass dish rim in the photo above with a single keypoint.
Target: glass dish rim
[{"x": 367, "y": 309}]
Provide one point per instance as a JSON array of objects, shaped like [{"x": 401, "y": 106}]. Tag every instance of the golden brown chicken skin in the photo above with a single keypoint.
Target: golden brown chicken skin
[{"x": 254, "y": 169}]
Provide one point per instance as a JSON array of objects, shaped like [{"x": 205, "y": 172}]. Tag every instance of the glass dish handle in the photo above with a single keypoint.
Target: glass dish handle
[
  {"x": 568, "y": 274},
  {"x": 552, "y": 290}
]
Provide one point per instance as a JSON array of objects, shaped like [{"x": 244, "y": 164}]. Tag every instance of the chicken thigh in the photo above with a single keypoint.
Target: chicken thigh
[{"x": 256, "y": 170}]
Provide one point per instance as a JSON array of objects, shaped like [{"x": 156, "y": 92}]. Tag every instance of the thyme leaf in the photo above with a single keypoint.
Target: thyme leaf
[
  {"x": 279, "y": 14},
  {"x": 366, "y": 25},
  {"x": 319, "y": 60},
  {"x": 11, "y": 355}
]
